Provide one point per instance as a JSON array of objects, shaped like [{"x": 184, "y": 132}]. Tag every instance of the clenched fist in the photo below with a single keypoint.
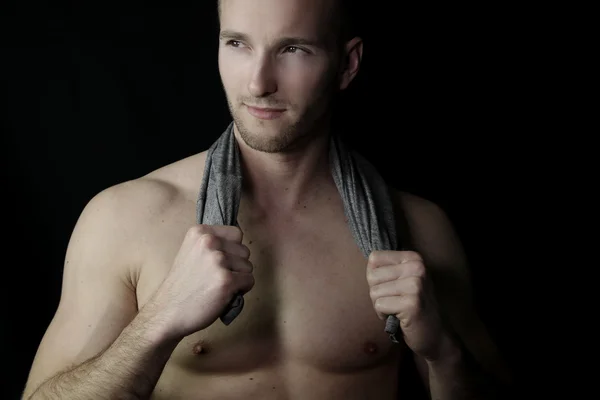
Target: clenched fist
[
  {"x": 399, "y": 286},
  {"x": 211, "y": 267}
]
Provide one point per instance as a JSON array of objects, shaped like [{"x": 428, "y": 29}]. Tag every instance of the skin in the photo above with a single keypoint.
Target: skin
[
  {"x": 270, "y": 69},
  {"x": 117, "y": 333}
]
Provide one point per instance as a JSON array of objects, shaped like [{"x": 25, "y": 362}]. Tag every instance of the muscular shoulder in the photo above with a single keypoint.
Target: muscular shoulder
[
  {"x": 435, "y": 239},
  {"x": 141, "y": 200},
  {"x": 119, "y": 218},
  {"x": 131, "y": 205},
  {"x": 431, "y": 231}
]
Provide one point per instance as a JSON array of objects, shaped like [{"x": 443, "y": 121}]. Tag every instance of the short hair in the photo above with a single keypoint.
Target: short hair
[{"x": 345, "y": 22}]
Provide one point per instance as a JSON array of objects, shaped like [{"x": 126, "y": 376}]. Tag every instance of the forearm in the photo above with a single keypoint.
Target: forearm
[
  {"x": 127, "y": 370},
  {"x": 456, "y": 375}
]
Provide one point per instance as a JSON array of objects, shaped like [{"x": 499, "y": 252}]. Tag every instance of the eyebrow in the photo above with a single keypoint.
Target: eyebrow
[{"x": 286, "y": 41}]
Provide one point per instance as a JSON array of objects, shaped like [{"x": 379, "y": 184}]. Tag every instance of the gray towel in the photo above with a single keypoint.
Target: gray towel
[{"x": 365, "y": 196}]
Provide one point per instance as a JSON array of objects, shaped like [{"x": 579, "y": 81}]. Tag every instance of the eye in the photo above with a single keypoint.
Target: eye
[
  {"x": 292, "y": 49},
  {"x": 233, "y": 43}
]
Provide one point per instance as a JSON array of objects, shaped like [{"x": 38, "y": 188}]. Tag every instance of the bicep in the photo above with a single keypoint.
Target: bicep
[
  {"x": 475, "y": 339},
  {"x": 97, "y": 299},
  {"x": 453, "y": 286},
  {"x": 435, "y": 238}
]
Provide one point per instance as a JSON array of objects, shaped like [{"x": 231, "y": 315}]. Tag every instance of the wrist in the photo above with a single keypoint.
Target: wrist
[
  {"x": 154, "y": 328},
  {"x": 449, "y": 352}
]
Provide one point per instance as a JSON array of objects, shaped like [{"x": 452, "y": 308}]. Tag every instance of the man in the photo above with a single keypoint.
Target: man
[{"x": 144, "y": 284}]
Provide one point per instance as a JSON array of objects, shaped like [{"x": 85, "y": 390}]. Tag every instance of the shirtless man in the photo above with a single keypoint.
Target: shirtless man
[{"x": 144, "y": 285}]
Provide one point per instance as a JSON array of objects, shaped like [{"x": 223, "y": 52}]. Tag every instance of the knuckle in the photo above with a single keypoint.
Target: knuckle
[
  {"x": 238, "y": 230},
  {"x": 209, "y": 241},
  {"x": 195, "y": 232},
  {"x": 218, "y": 258},
  {"x": 245, "y": 285},
  {"x": 373, "y": 257},
  {"x": 413, "y": 303},
  {"x": 419, "y": 268},
  {"x": 237, "y": 233},
  {"x": 223, "y": 278},
  {"x": 374, "y": 292},
  {"x": 250, "y": 267},
  {"x": 416, "y": 285},
  {"x": 245, "y": 251}
]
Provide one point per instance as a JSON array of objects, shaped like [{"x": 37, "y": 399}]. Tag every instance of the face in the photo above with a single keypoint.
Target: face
[{"x": 280, "y": 69}]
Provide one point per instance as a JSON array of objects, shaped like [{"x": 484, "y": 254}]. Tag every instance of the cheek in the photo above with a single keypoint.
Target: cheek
[
  {"x": 303, "y": 81},
  {"x": 231, "y": 72}
]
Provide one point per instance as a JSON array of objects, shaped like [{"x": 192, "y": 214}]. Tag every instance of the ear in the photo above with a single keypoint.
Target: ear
[{"x": 353, "y": 53}]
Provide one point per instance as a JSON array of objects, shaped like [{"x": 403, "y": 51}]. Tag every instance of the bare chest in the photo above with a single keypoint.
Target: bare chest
[{"x": 310, "y": 304}]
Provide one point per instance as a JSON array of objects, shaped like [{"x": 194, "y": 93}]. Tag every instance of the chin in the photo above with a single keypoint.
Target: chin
[{"x": 268, "y": 136}]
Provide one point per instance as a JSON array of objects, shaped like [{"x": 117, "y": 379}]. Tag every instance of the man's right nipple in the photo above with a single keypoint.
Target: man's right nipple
[{"x": 200, "y": 348}]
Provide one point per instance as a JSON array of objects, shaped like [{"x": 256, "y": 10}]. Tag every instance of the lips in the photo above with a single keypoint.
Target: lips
[{"x": 265, "y": 113}]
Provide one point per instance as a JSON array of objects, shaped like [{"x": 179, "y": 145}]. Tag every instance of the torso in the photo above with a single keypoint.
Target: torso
[{"x": 308, "y": 329}]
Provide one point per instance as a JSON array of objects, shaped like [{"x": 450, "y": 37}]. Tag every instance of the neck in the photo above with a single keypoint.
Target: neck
[{"x": 286, "y": 181}]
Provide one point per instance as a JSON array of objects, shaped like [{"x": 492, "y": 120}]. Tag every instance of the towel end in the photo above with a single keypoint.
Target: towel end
[
  {"x": 392, "y": 325},
  {"x": 233, "y": 310}
]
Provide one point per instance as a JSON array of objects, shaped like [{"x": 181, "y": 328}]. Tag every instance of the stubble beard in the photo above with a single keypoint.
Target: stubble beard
[
  {"x": 290, "y": 136},
  {"x": 282, "y": 141}
]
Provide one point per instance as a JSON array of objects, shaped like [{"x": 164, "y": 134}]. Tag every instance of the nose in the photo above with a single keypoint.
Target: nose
[{"x": 262, "y": 82}]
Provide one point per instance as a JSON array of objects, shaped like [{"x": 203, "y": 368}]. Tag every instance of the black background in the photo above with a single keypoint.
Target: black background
[{"x": 98, "y": 95}]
